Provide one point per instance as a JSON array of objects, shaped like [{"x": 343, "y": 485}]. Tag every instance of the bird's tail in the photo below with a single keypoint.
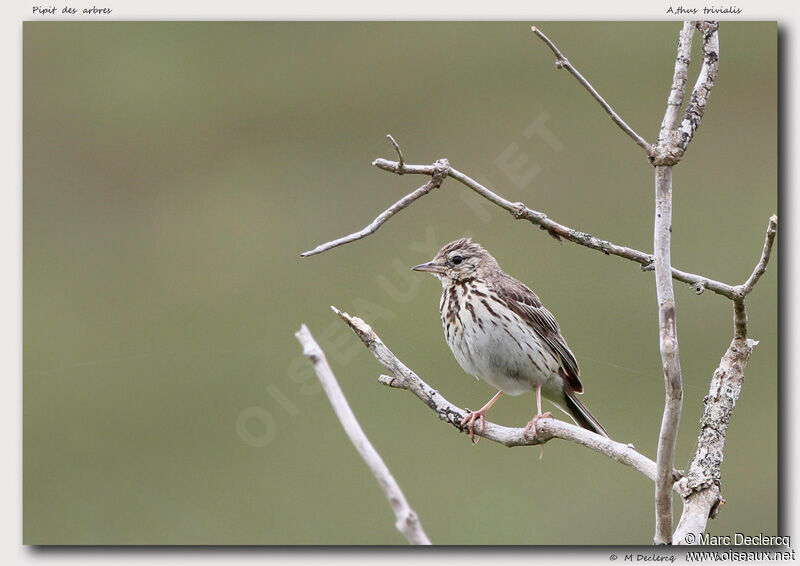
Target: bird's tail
[{"x": 582, "y": 415}]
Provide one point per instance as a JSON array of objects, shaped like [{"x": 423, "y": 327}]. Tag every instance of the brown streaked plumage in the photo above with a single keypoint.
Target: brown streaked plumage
[{"x": 499, "y": 331}]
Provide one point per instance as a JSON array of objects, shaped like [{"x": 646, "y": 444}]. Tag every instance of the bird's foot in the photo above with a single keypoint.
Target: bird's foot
[
  {"x": 530, "y": 428},
  {"x": 469, "y": 422}
]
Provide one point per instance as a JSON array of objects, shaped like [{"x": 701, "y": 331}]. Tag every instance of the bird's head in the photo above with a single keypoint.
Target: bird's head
[{"x": 459, "y": 261}]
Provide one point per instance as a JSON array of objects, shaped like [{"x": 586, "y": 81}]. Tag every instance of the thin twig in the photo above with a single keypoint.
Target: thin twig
[
  {"x": 563, "y": 63},
  {"x": 404, "y": 378},
  {"x": 407, "y": 521},
  {"x": 438, "y": 174},
  {"x": 761, "y": 266},
  {"x": 400, "y": 158}
]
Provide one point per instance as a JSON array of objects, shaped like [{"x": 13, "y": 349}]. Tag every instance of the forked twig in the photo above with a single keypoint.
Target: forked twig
[{"x": 438, "y": 173}]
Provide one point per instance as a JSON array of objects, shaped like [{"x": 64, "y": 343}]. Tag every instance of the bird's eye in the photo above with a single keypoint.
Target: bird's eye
[{"x": 456, "y": 259}]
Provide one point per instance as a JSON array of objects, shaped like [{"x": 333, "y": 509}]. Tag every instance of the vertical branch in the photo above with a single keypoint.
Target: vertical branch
[
  {"x": 679, "y": 77},
  {"x": 739, "y": 319},
  {"x": 705, "y": 82},
  {"x": 666, "y": 154},
  {"x": 668, "y": 341},
  {"x": 407, "y": 521},
  {"x": 673, "y": 140}
]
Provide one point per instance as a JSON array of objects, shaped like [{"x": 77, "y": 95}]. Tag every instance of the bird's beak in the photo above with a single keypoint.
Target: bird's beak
[{"x": 430, "y": 267}]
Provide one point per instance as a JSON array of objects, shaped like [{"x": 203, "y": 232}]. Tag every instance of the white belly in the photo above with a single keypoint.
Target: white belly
[{"x": 506, "y": 354}]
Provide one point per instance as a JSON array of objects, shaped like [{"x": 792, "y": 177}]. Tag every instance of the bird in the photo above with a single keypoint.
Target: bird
[{"x": 499, "y": 331}]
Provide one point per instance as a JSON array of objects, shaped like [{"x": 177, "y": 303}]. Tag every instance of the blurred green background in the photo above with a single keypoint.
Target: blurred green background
[{"x": 174, "y": 171}]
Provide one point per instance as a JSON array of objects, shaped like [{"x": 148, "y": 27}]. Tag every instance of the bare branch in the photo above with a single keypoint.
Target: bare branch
[
  {"x": 739, "y": 319},
  {"x": 698, "y": 507},
  {"x": 401, "y": 160},
  {"x": 668, "y": 341},
  {"x": 563, "y": 63},
  {"x": 666, "y": 153},
  {"x": 522, "y": 212},
  {"x": 700, "y": 488},
  {"x": 666, "y": 150},
  {"x": 407, "y": 521},
  {"x": 403, "y": 378},
  {"x": 761, "y": 266},
  {"x": 439, "y": 172},
  {"x": 705, "y": 82}
]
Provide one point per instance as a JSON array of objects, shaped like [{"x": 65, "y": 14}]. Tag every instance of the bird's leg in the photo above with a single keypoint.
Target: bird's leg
[
  {"x": 480, "y": 415},
  {"x": 531, "y": 426}
]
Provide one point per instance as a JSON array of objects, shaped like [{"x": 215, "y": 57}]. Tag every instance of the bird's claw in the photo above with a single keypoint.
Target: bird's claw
[
  {"x": 469, "y": 422},
  {"x": 531, "y": 426}
]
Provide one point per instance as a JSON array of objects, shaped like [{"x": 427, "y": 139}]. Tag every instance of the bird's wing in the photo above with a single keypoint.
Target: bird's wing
[{"x": 524, "y": 302}]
